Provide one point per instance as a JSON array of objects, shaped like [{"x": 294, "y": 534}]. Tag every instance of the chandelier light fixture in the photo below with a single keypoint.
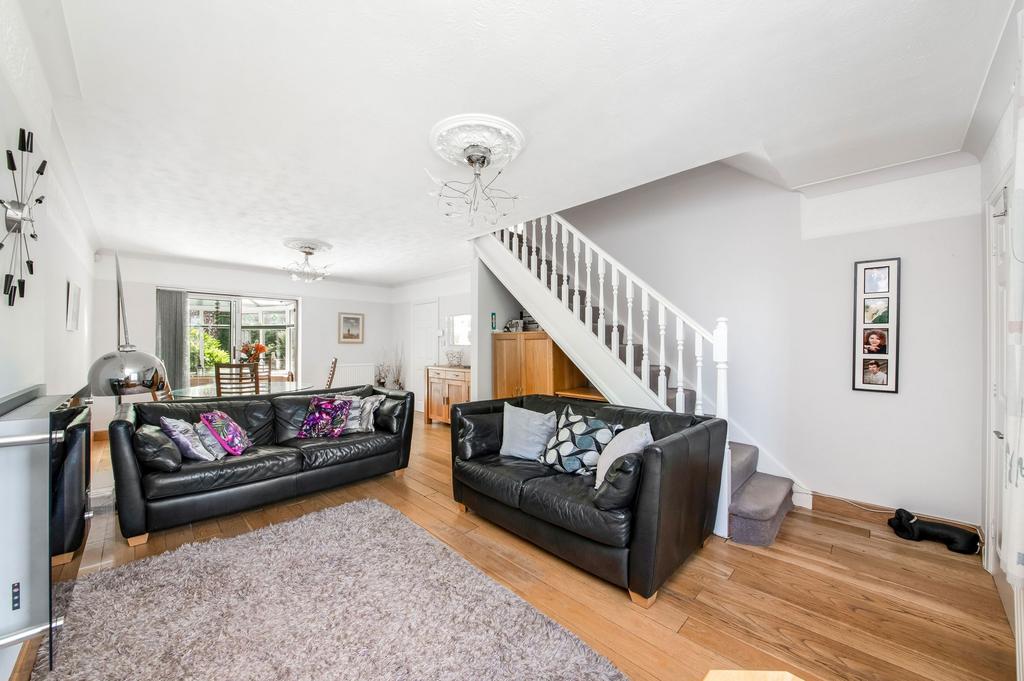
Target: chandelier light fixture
[
  {"x": 18, "y": 220},
  {"x": 478, "y": 141},
  {"x": 303, "y": 270}
]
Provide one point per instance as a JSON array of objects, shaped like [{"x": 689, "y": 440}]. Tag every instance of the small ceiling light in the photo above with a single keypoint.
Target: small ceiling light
[
  {"x": 478, "y": 141},
  {"x": 303, "y": 270}
]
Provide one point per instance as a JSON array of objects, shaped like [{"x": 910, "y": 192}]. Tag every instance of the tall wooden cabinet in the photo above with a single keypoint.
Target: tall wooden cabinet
[
  {"x": 445, "y": 386},
  {"x": 529, "y": 363}
]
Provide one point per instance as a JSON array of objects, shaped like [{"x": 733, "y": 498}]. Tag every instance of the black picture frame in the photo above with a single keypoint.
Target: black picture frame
[{"x": 873, "y": 370}]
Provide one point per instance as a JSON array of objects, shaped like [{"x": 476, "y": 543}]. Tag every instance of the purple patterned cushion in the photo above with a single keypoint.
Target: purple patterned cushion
[
  {"x": 229, "y": 434},
  {"x": 183, "y": 434},
  {"x": 326, "y": 417}
]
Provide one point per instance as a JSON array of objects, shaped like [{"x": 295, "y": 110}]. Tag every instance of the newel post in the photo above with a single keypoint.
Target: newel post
[{"x": 721, "y": 358}]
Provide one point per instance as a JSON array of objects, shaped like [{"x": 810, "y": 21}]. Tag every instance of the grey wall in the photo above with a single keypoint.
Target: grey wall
[
  {"x": 719, "y": 242},
  {"x": 489, "y": 295}
]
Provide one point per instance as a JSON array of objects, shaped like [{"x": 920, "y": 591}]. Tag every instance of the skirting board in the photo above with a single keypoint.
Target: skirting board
[{"x": 872, "y": 513}]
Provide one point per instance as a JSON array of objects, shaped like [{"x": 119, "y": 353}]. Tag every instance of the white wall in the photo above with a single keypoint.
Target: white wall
[
  {"x": 719, "y": 242},
  {"x": 489, "y": 296},
  {"x": 34, "y": 346}
]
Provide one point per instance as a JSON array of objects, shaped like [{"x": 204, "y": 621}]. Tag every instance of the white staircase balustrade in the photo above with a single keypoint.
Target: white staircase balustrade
[{"x": 552, "y": 290}]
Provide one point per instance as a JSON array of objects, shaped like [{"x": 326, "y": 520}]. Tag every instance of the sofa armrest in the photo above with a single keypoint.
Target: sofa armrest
[
  {"x": 131, "y": 502},
  {"x": 471, "y": 408},
  {"x": 395, "y": 416},
  {"x": 677, "y": 502}
]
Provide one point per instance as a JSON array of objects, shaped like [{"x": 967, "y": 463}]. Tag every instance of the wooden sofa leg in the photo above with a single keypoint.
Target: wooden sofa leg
[
  {"x": 462, "y": 507},
  {"x": 641, "y": 601},
  {"x": 400, "y": 473},
  {"x": 138, "y": 540},
  {"x": 62, "y": 559}
]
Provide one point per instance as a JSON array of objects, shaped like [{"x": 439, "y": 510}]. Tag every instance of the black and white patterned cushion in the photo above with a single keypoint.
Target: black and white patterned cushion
[{"x": 576, "y": 445}]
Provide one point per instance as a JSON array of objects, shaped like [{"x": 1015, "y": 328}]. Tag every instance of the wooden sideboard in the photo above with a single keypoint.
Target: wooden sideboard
[
  {"x": 445, "y": 386},
  {"x": 529, "y": 363}
]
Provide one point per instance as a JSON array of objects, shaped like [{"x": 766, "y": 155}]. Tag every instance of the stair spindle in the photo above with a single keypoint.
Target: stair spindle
[
  {"x": 662, "y": 378},
  {"x": 630, "y": 360},
  {"x": 518, "y": 229},
  {"x": 532, "y": 241},
  {"x": 600, "y": 292},
  {"x": 698, "y": 354},
  {"x": 544, "y": 252},
  {"x": 576, "y": 276},
  {"x": 645, "y": 358},
  {"x": 679, "y": 366},
  {"x": 615, "y": 311},
  {"x": 588, "y": 316},
  {"x": 565, "y": 265}
]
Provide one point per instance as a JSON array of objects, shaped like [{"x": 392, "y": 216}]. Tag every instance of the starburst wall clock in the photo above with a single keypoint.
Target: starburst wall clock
[{"x": 19, "y": 225}]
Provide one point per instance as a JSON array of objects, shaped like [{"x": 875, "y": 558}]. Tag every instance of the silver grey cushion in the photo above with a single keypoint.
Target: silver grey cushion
[{"x": 525, "y": 433}]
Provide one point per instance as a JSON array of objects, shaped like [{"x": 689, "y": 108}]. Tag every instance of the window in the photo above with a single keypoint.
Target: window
[{"x": 220, "y": 325}]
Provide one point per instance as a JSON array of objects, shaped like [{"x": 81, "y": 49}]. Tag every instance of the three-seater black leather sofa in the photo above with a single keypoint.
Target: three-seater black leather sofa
[
  {"x": 278, "y": 466},
  {"x": 637, "y": 546}
]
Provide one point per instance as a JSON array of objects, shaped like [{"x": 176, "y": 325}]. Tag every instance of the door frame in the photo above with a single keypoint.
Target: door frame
[
  {"x": 990, "y": 445},
  {"x": 420, "y": 402}
]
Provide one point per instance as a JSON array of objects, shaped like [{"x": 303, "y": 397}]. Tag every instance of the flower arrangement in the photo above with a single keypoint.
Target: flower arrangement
[{"x": 252, "y": 351}]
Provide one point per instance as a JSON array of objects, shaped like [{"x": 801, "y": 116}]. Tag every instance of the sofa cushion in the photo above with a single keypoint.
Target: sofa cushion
[
  {"x": 155, "y": 451},
  {"x": 500, "y": 477},
  {"x": 255, "y": 415},
  {"x": 568, "y": 502},
  {"x": 389, "y": 415},
  {"x": 319, "y": 452},
  {"x": 618, "y": 489},
  {"x": 525, "y": 433},
  {"x": 577, "y": 443},
  {"x": 261, "y": 462},
  {"x": 631, "y": 440},
  {"x": 325, "y": 417},
  {"x": 479, "y": 434},
  {"x": 228, "y": 433},
  {"x": 185, "y": 437}
]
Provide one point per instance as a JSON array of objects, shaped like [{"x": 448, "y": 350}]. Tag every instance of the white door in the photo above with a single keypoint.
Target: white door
[
  {"x": 998, "y": 283},
  {"x": 426, "y": 332}
]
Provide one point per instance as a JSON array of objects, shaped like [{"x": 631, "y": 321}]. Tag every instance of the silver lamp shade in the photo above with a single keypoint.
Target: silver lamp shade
[{"x": 126, "y": 372}]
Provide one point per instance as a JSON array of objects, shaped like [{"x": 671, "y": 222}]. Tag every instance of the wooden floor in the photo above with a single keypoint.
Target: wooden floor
[{"x": 834, "y": 598}]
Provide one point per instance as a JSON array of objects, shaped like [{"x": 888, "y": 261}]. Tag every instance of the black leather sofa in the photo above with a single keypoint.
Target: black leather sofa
[
  {"x": 278, "y": 465},
  {"x": 637, "y": 545},
  {"x": 69, "y": 481}
]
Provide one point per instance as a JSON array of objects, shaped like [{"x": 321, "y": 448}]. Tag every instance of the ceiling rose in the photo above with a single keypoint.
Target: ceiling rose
[{"x": 450, "y": 137}]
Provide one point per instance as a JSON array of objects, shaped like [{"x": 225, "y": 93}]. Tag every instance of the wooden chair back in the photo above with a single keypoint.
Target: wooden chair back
[
  {"x": 330, "y": 372},
  {"x": 239, "y": 379}
]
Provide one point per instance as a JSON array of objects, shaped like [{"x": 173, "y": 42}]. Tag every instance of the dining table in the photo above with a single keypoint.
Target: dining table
[{"x": 210, "y": 389}]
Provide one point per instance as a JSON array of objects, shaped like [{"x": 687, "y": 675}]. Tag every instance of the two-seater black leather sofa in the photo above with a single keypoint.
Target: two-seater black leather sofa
[
  {"x": 278, "y": 466},
  {"x": 638, "y": 546}
]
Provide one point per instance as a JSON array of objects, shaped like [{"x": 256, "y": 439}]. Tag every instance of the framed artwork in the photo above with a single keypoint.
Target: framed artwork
[
  {"x": 350, "y": 327},
  {"x": 73, "y": 306},
  {"x": 876, "y": 325}
]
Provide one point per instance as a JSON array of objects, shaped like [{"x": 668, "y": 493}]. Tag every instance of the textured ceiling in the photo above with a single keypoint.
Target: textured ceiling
[{"x": 216, "y": 129}]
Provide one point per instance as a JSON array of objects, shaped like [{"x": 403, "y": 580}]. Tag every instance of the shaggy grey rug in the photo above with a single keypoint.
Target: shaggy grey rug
[{"x": 352, "y": 592}]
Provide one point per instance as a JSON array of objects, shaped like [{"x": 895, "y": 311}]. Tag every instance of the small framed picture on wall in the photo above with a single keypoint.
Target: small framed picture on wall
[
  {"x": 350, "y": 327},
  {"x": 876, "y": 325}
]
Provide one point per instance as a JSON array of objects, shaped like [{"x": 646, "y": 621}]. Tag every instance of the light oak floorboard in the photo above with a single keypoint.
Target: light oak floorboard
[{"x": 837, "y": 597}]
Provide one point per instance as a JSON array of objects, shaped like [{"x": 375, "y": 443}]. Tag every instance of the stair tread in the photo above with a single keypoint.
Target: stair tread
[
  {"x": 761, "y": 497},
  {"x": 744, "y": 463}
]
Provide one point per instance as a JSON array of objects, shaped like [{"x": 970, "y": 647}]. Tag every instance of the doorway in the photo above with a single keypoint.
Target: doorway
[{"x": 425, "y": 334}]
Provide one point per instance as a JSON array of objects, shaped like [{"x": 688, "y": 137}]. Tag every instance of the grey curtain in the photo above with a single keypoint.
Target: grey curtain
[{"x": 172, "y": 334}]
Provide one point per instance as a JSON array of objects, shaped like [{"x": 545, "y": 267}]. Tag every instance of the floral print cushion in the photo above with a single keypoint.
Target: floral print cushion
[
  {"x": 326, "y": 417},
  {"x": 229, "y": 434}
]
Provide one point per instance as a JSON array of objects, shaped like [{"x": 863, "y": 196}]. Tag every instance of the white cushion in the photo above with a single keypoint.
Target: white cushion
[
  {"x": 525, "y": 433},
  {"x": 634, "y": 439}
]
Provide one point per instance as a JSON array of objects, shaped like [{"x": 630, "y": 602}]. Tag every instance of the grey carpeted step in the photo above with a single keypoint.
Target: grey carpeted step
[
  {"x": 744, "y": 463},
  {"x": 689, "y": 399},
  {"x": 758, "y": 509}
]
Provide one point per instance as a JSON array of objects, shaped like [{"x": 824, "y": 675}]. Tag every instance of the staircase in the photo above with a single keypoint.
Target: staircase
[{"x": 631, "y": 342}]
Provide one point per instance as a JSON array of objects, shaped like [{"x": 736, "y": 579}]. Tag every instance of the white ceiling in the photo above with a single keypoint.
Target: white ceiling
[{"x": 216, "y": 129}]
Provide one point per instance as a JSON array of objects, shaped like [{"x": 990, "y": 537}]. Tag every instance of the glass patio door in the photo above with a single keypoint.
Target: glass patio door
[{"x": 219, "y": 325}]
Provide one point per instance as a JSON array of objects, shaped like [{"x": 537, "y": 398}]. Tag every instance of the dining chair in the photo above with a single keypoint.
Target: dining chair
[
  {"x": 330, "y": 372},
  {"x": 238, "y": 379}
]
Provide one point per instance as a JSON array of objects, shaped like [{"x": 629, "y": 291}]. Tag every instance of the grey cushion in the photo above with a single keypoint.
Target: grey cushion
[
  {"x": 525, "y": 433},
  {"x": 210, "y": 442},
  {"x": 634, "y": 439}
]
